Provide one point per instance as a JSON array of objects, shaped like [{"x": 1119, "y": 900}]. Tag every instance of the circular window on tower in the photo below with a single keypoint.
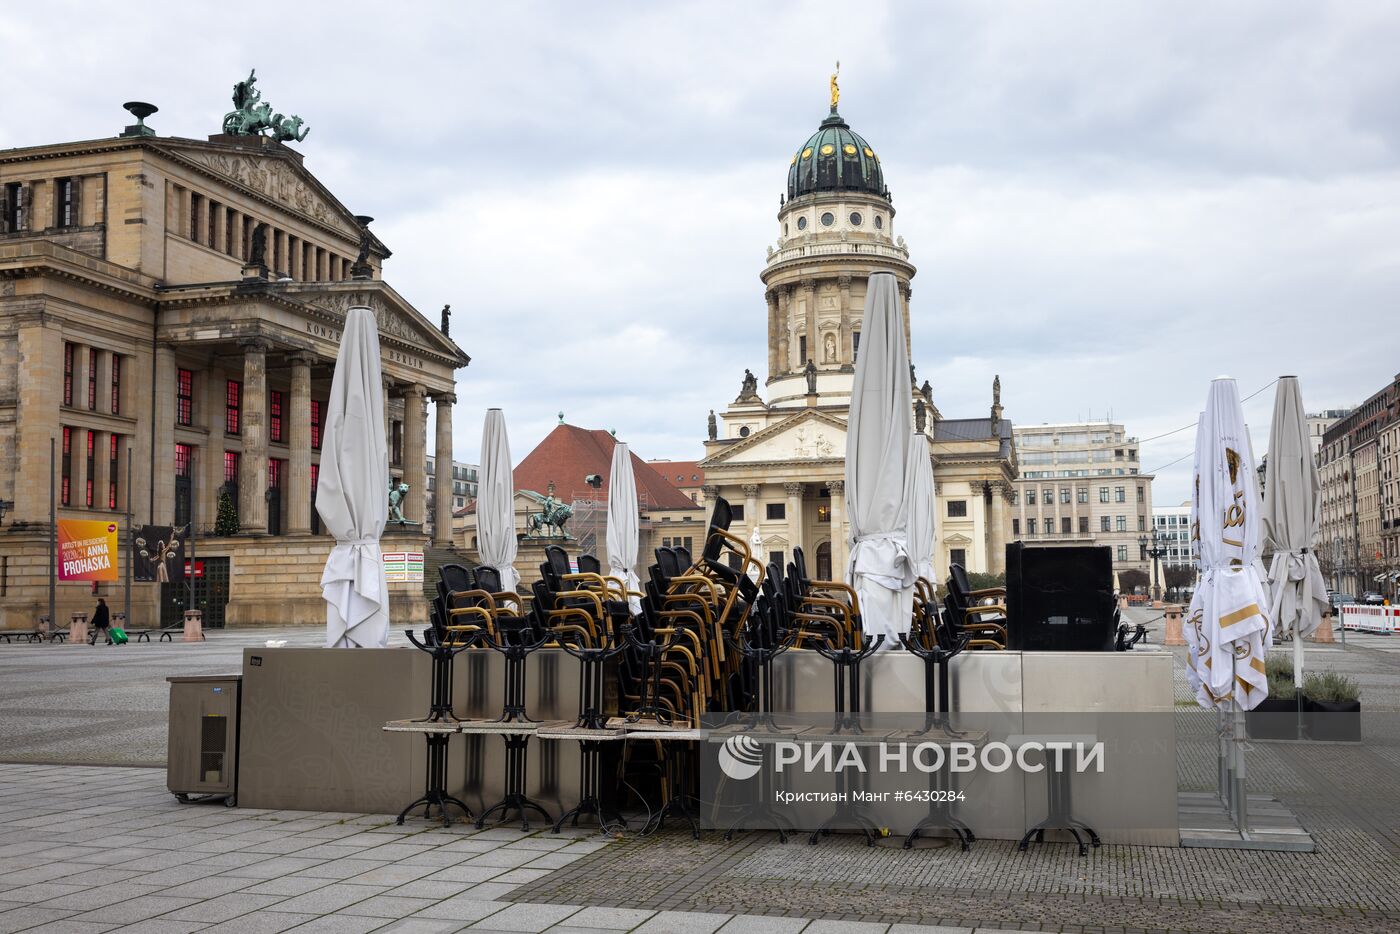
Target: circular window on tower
[
  {"x": 828, "y": 149},
  {"x": 849, "y": 149},
  {"x": 744, "y": 432},
  {"x": 828, "y": 219},
  {"x": 807, "y": 153},
  {"x": 879, "y": 222},
  {"x": 802, "y": 223},
  {"x": 868, "y": 153},
  {"x": 856, "y": 219}
]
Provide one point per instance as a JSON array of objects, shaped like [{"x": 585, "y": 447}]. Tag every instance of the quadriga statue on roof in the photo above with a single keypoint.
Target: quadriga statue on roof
[{"x": 252, "y": 116}]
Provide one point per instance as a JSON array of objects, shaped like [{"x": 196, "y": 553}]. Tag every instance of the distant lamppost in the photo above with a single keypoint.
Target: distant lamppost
[{"x": 1156, "y": 552}]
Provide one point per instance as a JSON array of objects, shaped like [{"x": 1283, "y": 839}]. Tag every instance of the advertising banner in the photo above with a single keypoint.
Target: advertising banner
[
  {"x": 87, "y": 550},
  {"x": 159, "y": 553}
]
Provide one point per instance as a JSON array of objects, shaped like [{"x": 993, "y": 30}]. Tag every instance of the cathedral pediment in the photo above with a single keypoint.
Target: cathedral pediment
[{"x": 806, "y": 436}]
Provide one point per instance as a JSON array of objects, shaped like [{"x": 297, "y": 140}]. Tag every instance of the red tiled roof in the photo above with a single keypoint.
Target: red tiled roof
[
  {"x": 680, "y": 474},
  {"x": 569, "y": 453}
]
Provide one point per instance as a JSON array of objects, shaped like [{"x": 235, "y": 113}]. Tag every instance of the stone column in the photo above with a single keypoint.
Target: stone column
[
  {"x": 751, "y": 508},
  {"x": 40, "y": 395},
  {"x": 299, "y": 444},
  {"x": 77, "y": 491},
  {"x": 844, "y": 353},
  {"x": 906, "y": 293},
  {"x": 996, "y": 529},
  {"x": 252, "y": 473},
  {"x": 238, "y": 238},
  {"x": 389, "y": 419},
  {"x": 794, "y": 517},
  {"x": 80, "y": 376},
  {"x": 442, "y": 470},
  {"x": 809, "y": 290},
  {"x": 415, "y": 451},
  {"x": 104, "y": 381},
  {"x": 839, "y": 532},
  {"x": 279, "y": 253},
  {"x": 186, "y": 223},
  {"x": 162, "y": 476},
  {"x": 101, "y": 469},
  {"x": 711, "y": 493},
  {"x": 784, "y": 329},
  {"x": 220, "y": 227},
  {"x": 771, "y": 297}
]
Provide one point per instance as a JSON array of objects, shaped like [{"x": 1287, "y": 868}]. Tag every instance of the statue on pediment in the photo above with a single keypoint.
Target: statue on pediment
[
  {"x": 253, "y": 116},
  {"x": 446, "y": 318},
  {"x": 749, "y": 389},
  {"x": 713, "y": 426}
]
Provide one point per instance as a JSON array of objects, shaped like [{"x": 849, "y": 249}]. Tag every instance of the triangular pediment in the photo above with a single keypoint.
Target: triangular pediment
[
  {"x": 808, "y": 435},
  {"x": 274, "y": 175},
  {"x": 397, "y": 319},
  {"x": 957, "y": 538}
]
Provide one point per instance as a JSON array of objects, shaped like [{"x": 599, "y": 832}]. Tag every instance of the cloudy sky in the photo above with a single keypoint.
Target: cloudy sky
[{"x": 1109, "y": 203}]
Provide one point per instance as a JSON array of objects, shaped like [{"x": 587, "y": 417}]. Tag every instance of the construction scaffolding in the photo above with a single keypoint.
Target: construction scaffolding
[{"x": 589, "y": 523}]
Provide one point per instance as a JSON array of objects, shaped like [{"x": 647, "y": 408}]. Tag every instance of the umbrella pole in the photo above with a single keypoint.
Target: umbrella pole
[{"x": 1298, "y": 672}]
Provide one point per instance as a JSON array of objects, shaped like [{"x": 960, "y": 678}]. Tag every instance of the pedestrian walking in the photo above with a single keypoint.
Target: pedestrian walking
[{"x": 101, "y": 621}]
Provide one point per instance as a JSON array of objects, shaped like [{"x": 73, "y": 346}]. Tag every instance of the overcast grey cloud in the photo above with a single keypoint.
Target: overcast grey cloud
[{"x": 1086, "y": 188}]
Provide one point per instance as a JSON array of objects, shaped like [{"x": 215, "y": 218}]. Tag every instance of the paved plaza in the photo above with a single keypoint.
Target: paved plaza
[{"x": 90, "y": 840}]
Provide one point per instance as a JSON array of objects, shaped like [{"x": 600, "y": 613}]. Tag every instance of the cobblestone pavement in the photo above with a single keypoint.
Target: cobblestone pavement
[{"x": 95, "y": 849}]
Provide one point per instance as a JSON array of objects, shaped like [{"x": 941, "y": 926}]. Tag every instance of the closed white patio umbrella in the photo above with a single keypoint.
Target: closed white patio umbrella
[
  {"x": 352, "y": 491},
  {"x": 922, "y": 529},
  {"x": 495, "y": 501},
  {"x": 623, "y": 524},
  {"x": 1228, "y": 630},
  {"x": 877, "y": 457},
  {"x": 1292, "y": 516},
  {"x": 1228, "y": 615}
]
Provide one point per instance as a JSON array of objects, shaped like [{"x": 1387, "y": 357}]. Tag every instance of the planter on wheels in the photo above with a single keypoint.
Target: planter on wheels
[{"x": 1332, "y": 721}]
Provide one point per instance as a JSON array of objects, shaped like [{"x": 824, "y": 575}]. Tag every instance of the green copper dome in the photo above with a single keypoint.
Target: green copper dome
[{"x": 836, "y": 158}]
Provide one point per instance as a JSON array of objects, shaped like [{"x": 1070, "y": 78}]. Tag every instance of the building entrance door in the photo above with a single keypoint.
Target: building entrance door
[
  {"x": 824, "y": 562},
  {"x": 210, "y": 580}
]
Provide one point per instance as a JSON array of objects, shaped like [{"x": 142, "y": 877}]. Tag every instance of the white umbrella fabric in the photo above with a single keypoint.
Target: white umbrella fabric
[
  {"x": 877, "y": 457},
  {"x": 1228, "y": 615},
  {"x": 352, "y": 490},
  {"x": 922, "y": 531},
  {"x": 495, "y": 502},
  {"x": 1292, "y": 516},
  {"x": 623, "y": 525}
]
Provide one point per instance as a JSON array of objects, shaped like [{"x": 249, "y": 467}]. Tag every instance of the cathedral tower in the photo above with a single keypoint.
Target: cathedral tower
[{"x": 835, "y": 227}]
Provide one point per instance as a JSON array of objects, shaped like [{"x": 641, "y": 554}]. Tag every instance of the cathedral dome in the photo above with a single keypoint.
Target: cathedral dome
[{"x": 835, "y": 158}]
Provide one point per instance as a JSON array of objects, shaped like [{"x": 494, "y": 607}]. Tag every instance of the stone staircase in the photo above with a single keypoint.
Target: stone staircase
[{"x": 435, "y": 557}]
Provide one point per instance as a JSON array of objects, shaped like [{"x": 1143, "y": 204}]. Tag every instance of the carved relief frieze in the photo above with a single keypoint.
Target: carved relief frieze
[{"x": 276, "y": 180}]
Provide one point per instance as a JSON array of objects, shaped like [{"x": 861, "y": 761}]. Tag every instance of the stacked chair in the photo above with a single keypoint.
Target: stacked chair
[
  {"x": 979, "y": 613},
  {"x": 933, "y": 638}
]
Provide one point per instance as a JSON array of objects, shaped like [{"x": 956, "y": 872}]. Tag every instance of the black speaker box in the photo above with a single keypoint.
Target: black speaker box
[{"x": 1060, "y": 599}]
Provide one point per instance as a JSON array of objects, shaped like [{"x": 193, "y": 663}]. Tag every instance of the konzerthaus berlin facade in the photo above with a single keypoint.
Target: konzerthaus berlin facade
[{"x": 132, "y": 318}]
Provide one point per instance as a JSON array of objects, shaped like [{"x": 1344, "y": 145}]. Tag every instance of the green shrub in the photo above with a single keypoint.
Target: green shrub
[
  {"x": 979, "y": 581},
  {"x": 1278, "y": 665},
  {"x": 1331, "y": 687},
  {"x": 1282, "y": 688}
]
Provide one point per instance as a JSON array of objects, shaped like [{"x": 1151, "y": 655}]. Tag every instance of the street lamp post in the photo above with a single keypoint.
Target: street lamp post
[{"x": 1156, "y": 552}]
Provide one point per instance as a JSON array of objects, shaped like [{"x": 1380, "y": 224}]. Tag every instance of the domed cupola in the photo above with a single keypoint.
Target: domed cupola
[{"x": 835, "y": 158}]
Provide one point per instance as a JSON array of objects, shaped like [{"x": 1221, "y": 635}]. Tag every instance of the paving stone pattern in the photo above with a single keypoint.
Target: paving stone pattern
[{"x": 99, "y": 848}]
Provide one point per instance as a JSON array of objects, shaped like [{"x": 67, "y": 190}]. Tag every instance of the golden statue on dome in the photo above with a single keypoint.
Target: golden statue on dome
[{"x": 835, "y": 88}]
